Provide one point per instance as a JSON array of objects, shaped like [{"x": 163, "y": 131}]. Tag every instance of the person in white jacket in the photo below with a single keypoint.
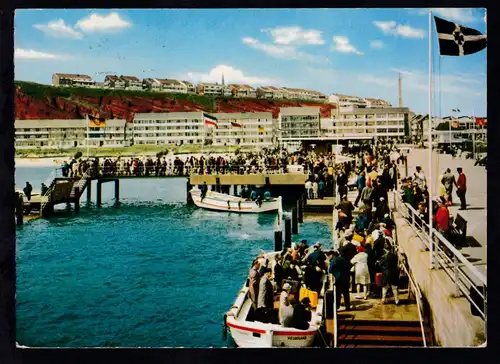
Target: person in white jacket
[
  {"x": 362, "y": 274},
  {"x": 315, "y": 189},
  {"x": 286, "y": 309}
]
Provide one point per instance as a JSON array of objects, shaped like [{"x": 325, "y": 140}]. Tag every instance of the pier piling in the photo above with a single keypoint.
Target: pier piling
[
  {"x": 189, "y": 199},
  {"x": 288, "y": 233},
  {"x": 117, "y": 192},
  {"x": 295, "y": 224},
  {"x": 235, "y": 190},
  {"x": 278, "y": 241},
  {"x": 300, "y": 210},
  {"x": 89, "y": 190},
  {"x": 77, "y": 200},
  {"x": 99, "y": 193}
]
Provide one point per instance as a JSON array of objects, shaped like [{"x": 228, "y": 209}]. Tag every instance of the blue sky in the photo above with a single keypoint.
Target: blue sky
[{"x": 348, "y": 51}]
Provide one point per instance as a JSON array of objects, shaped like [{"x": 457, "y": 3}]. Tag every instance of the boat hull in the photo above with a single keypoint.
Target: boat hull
[{"x": 222, "y": 202}]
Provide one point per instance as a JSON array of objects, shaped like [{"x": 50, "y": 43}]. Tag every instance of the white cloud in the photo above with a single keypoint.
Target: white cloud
[
  {"x": 456, "y": 14},
  {"x": 58, "y": 29},
  {"x": 376, "y": 44},
  {"x": 402, "y": 71},
  {"x": 231, "y": 75},
  {"x": 381, "y": 81},
  {"x": 295, "y": 36},
  {"x": 102, "y": 23},
  {"x": 391, "y": 27},
  {"x": 283, "y": 51},
  {"x": 341, "y": 44},
  {"x": 20, "y": 53}
]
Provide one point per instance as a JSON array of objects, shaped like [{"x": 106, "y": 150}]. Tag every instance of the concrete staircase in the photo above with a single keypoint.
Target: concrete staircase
[{"x": 377, "y": 334}]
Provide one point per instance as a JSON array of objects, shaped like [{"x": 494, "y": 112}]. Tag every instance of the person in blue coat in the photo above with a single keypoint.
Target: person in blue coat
[
  {"x": 360, "y": 184},
  {"x": 340, "y": 268}
]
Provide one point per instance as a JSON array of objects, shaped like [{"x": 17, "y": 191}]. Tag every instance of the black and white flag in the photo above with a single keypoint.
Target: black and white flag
[{"x": 457, "y": 40}]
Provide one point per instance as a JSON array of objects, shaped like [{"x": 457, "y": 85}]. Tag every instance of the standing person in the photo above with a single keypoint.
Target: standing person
[
  {"x": 278, "y": 272},
  {"x": 321, "y": 188},
  {"x": 360, "y": 184},
  {"x": 442, "y": 217},
  {"x": 362, "y": 273},
  {"x": 448, "y": 181},
  {"x": 27, "y": 190},
  {"x": 204, "y": 189},
  {"x": 309, "y": 189},
  {"x": 340, "y": 268},
  {"x": 390, "y": 274},
  {"x": 420, "y": 178},
  {"x": 315, "y": 188},
  {"x": 286, "y": 310},
  {"x": 265, "y": 300},
  {"x": 461, "y": 188},
  {"x": 253, "y": 284}
]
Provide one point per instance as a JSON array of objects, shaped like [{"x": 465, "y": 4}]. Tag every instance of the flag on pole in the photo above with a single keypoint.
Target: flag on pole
[
  {"x": 236, "y": 123},
  {"x": 481, "y": 121},
  {"x": 261, "y": 129},
  {"x": 210, "y": 121},
  {"x": 95, "y": 122},
  {"x": 458, "y": 40}
]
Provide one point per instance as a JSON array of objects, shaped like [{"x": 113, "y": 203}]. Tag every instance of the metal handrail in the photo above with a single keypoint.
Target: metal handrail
[
  {"x": 335, "y": 325},
  {"x": 462, "y": 280}
]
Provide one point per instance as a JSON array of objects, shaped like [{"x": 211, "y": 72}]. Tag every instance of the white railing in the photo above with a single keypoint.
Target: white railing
[
  {"x": 45, "y": 197},
  {"x": 462, "y": 272},
  {"x": 81, "y": 182}
]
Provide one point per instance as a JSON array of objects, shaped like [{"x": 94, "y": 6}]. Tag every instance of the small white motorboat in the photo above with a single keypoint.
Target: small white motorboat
[
  {"x": 256, "y": 334},
  {"x": 223, "y": 202}
]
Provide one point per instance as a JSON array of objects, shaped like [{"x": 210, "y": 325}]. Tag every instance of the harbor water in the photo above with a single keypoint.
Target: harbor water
[{"x": 153, "y": 272}]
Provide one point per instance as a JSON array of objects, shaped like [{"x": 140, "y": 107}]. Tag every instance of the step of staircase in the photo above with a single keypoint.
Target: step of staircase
[{"x": 374, "y": 333}]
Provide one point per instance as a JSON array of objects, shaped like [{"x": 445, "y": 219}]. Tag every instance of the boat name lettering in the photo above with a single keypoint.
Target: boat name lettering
[{"x": 296, "y": 337}]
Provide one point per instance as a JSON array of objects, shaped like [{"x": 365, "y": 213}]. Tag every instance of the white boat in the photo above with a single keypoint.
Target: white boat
[
  {"x": 256, "y": 334},
  {"x": 223, "y": 202}
]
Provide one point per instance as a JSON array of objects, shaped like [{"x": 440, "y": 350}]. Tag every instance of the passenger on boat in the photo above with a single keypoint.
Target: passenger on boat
[
  {"x": 204, "y": 189},
  {"x": 301, "y": 314},
  {"x": 253, "y": 195},
  {"x": 285, "y": 312},
  {"x": 265, "y": 301},
  {"x": 278, "y": 272},
  {"x": 317, "y": 255},
  {"x": 253, "y": 284},
  {"x": 27, "y": 190},
  {"x": 267, "y": 195}
]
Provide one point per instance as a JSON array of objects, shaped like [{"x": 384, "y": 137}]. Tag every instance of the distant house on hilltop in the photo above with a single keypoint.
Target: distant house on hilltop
[
  {"x": 115, "y": 82},
  {"x": 191, "y": 89},
  {"x": 269, "y": 92},
  {"x": 172, "y": 86},
  {"x": 72, "y": 80},
  {"x": 243, "y": 91},
  {"x": 131, "y": 82},
  {"x": 151, "y": 84}
]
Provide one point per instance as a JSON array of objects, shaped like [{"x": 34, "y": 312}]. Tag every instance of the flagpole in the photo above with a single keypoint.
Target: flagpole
[
  {"x": 88, "y": 141},
  {"x": 474, "y": 135},
  {"x": 429, "y": 136},
  {"x": 203, "y": 134}
]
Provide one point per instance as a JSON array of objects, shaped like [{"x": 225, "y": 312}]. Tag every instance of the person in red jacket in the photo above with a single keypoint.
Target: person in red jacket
[
  {"x": 442, "y": 218},
  {"x": 461, "y": 188}
]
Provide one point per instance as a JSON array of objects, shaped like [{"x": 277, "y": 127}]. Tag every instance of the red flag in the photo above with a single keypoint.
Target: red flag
[{"x": 481, "y": 121}]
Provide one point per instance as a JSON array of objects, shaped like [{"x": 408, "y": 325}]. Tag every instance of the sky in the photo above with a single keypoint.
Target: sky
[{"x": 357, "y": 52}]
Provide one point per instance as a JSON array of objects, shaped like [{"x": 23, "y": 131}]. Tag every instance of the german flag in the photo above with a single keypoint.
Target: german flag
[
  {"x": 95, "y": 122},
  {"x": 210, "y": 121},
  {"x": 236, "y": 124},
  {"x": 480, "y": 121}
]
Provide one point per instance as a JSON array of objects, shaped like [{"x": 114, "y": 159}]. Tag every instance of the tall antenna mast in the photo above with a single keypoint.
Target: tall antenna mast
[{"x": 400, "y": 84}]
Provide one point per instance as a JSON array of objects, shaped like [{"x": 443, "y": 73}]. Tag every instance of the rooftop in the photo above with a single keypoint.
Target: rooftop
[
  {"x": 70, "y": 75},
  {"x": 130, "y": 78}
]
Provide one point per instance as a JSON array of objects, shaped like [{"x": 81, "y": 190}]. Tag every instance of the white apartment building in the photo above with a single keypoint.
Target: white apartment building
[
  {"x": 346, "y": 103},
  {"x": 115, "y": 82},
  {"x": 301, "y": 94},
  {"x": 175, "y": 128},
  {"x": 376, "y": 103},
  {"x": 270, "y": 92},
  {"x": 256, "y": 131},
  {"x": 191, "y": 89},
  {"x": 66, "y": 134},
  {"x": 368, "y": 123},
  {"x": 297, "y": 124},
  {"x": 151, "y": 84},
  {"x": 213, "y": 89},
  {"x": 132, "y": 83},
  {"x": 172, "y": 86},
  {"x": 243, "y": 91},
  {"x": 72, "y": 80}
]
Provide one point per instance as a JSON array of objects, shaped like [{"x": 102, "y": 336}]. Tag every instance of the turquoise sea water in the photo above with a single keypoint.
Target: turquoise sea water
[{"x": 151, "y": 273}]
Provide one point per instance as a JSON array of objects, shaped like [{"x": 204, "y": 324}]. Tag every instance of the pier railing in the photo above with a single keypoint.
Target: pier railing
[
  {"x": 468, "y": 280},
  {"x": 151, "y": 171}
]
